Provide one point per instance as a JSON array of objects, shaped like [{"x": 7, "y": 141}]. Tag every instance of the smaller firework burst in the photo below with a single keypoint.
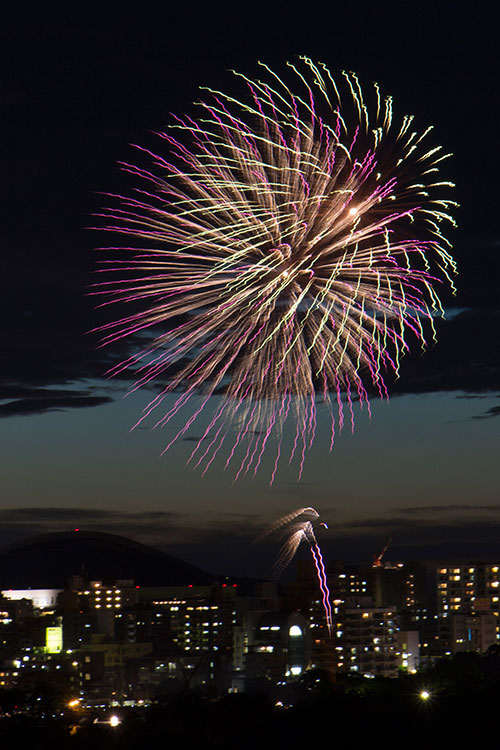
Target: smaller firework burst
[{"x": 294, "y": 528}]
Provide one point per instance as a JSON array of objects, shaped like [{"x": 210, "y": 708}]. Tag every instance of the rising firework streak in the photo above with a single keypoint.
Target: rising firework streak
[
  {"x": 284, "y": 251},
  {"x": 294, "y": 528}
]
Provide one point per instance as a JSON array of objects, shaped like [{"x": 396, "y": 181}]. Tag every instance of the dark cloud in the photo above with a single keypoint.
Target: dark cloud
[
  {"x": 463, "y": 359},
  {"x": 469, "y": 537},
  {"x": 396, "y": 525},
  {"x": 494, "y": 411},
  {"x": 49, "y": 402},
  {"x": 424, "y": 509},
  {"x": 63, "y": 515},
  {"x": 43, "y": 515}
]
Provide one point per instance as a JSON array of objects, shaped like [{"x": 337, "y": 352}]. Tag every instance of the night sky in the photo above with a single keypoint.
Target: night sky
[{"x": 77, "y": 88}]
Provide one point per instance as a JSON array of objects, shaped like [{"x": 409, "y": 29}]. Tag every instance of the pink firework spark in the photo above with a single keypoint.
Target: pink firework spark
[{"x": 320, "y": 568}]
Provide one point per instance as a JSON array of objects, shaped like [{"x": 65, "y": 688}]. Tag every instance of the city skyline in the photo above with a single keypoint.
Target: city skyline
[{"x": 78, "y": 90}]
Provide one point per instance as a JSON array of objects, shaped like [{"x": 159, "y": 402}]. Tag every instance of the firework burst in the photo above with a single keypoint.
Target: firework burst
[
  {"x": 294, "y": 528},
  {"x": 284, "y": 253}
]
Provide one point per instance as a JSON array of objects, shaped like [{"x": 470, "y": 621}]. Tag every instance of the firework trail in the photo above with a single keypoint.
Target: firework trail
[
  {"x": 294, "y": 528},
  {"x": 283, "y": 252}
]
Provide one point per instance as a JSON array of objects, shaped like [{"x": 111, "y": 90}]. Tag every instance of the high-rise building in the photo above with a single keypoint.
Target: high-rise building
[
  {"x": 369, "y": 640},
  {"x": 472, "y": 632},
  {"x": 468, "y": 588},
  {"x": 468, "y": 606}
]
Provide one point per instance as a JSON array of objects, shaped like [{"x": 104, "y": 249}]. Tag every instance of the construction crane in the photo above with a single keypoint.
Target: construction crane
[{"x": 377, "y": 559}]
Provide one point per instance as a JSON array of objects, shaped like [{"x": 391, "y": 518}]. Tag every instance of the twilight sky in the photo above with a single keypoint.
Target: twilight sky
[{"x": 76, "y": 89}]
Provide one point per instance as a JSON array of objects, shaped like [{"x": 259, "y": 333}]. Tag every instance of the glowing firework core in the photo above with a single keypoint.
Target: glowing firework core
[{"x": 287, "y": 247}]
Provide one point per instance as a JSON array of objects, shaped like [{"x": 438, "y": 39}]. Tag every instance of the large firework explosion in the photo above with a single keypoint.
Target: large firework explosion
[{"x": 283, "y": 253}]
